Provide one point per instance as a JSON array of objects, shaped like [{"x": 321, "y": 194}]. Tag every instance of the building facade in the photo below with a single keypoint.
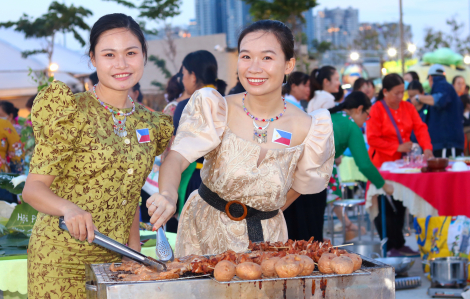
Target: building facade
[
  {"x": 309, "y": 28},
  {"x": 337, "y": 26},
  {"x": 222, "y": 16}
]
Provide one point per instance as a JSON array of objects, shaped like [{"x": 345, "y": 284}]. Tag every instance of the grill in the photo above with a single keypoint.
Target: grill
[{"x": 374, "y": 280}]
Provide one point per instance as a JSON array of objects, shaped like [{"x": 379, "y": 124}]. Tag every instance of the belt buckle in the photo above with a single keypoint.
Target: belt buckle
[{"x": 245, "y": 210}]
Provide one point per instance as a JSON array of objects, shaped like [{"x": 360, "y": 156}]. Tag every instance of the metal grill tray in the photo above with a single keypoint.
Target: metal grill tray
[
  {"x": 314, "y": 275},
  {"x": 104, "y": 274}
]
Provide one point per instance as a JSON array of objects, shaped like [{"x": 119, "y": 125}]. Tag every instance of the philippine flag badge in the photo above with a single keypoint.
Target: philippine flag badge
[
  {"x": 143, "y": 135},
  {"x": 281, "y": 137}
]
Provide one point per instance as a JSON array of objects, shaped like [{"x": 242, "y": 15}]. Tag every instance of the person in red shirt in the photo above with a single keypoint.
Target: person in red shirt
[{"x": 388, "y": 133}]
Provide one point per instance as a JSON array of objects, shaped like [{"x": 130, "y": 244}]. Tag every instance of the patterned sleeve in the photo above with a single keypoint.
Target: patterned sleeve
[
  {"x": 202, "y": 124},
  {"x": 56, "y": 125},
  {"x": 314, "y": 168},
  {"x": 164, "y": 132}
]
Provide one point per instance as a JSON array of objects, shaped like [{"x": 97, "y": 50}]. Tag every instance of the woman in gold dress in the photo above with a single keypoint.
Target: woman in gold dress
[
  {"x": 93, "y": 153},
  {"x": 260, "y": 153}
]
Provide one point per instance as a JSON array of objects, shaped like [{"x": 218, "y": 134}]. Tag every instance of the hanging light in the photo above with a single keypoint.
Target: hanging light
[
  {"x": 392, "y": 52},
  {"x": 412, "y": 48},
  {"x": 53, "y": 67},
  {"x": 466, "y": 59},
  {"x": 354, "y": 56}
]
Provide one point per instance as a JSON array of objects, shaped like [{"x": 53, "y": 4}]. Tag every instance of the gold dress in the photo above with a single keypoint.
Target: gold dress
[
  {"x": 95, "y": 169},
  {"x": 230, "y": 170}
]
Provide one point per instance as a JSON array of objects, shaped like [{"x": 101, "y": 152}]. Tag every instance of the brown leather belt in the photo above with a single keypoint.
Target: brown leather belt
[{"x": 238, "y": 211}]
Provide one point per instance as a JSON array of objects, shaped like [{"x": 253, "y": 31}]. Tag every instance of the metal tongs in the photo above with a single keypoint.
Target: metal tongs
[
  {"x": 163, "y": 248},
  {"x": 108, "y": 243}
]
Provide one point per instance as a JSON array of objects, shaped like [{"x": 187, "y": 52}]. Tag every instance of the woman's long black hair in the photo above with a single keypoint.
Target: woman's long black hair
[
  {"x": 295, "y": 78},
  {"x": 204, "y": 66},
  {"x": 352, "y": 101},
  {"x": 388, "y": 83},
  {"x": 317, "y": 76}
]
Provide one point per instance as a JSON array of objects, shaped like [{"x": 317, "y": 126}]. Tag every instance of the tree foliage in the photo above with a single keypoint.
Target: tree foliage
[
  {"x": 59, "y": 18},
  {"x": 152, "y": 10},
  {"x": 435, "y": 39},
  {"x": 160, "y": 64}
]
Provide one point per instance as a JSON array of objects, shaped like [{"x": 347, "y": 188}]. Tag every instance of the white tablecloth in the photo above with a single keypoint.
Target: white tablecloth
[{"x": 415, "y": 204}]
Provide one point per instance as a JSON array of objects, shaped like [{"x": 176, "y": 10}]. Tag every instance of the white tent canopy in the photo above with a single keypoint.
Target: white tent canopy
[{"x": 14, "y": 79}]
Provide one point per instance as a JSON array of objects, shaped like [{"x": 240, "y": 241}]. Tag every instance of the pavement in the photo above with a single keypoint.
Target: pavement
[{"x": 416, "y": 270}]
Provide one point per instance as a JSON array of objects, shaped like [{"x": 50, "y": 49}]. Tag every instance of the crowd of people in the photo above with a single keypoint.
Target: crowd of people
[{"x": 271, "y": 145}]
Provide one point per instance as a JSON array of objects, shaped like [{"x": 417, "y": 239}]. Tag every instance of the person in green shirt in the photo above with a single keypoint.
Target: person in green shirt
[{"x": 348, "y": 118}]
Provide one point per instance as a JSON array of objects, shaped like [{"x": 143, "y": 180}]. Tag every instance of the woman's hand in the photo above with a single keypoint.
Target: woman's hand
[
  {"x": 428, "y": 155},
  {"x": 161, "y": 208},
  {"x": 79, "y": 223},
  {"x": 405, "y": 147},
  {"x": 388, "y": 188},
  {"x": 338, "y": 160}
]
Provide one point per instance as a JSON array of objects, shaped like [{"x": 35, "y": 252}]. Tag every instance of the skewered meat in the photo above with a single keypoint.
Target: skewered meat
[
  {"x": 342, "y": 265},
  {"x": 224, "y": 271},
  {"x": 248, "y": 271}
]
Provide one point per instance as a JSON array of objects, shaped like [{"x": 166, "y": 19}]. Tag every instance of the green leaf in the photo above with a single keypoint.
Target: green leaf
[
  {"x": 51, "y": 79},
  {"x": 22, "y": 219},
  {"x": 3, "y": 230},
  {"x": 15, "y": 239},
  {"x": 5, "y": 183}
]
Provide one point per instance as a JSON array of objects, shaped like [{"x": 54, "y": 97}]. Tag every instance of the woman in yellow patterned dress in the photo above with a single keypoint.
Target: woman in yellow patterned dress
[
  {"x": 254, "y": 160},
  {"x": 86, "y": 168}
]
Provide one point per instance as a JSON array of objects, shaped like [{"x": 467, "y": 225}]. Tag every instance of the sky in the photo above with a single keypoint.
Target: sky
[{"x": 417, "y": 13}]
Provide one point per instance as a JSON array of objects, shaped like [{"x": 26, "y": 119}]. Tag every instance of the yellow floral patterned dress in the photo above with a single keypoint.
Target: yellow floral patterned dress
[{"x": 95, "y": 169}]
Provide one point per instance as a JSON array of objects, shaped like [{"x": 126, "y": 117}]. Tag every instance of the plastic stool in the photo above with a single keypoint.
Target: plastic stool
[{"x": 351, "y": 203}]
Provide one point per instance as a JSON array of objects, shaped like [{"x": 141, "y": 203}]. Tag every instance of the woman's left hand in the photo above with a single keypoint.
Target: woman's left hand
[{"x": 428, "y": 154}]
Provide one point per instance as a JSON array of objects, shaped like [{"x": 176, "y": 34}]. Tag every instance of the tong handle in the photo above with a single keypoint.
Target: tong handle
[{"x": 113, "y": 245}]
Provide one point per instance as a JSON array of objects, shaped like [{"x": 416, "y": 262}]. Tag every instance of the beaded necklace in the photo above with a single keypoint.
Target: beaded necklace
[
  {"x": 119, "y": 125},
  {"x": 260, "y": 134}
]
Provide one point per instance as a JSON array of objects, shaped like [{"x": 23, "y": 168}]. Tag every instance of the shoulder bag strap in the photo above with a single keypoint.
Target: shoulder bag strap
[{"x": 400, "y": 140}]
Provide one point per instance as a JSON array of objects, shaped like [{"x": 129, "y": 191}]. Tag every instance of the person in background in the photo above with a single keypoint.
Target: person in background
[
  {"x": 238, "y": 88},
  {"x": 136, "y": 94},
  {"x": 297, "y": 89},
  {"x": 11, "y": 155},
  {"x": 9, "y": 112},
  {"x": 467, "y": 89},
  {"x": 339, "y": 96},
  {"x": 199, "y": 70},
  {"x": 348, "y": 118},
  {"x": 466, "y": 122},
  {"x": 410, "y": 76},
  {"x": 94, "y": 78},
  {"x": 459, "y": 85},
  {"x": 371, "y": 91},
  {"x": 446, "y": 114},
  {"x": 29, "y": 103},
  {"x": 361, "y": 85},
  {"x": 323, "y": 82},
  {"x": 388, "y": 134},
  {"x": 416, "y": 88},
  {"x": 175, "y": 93}
]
